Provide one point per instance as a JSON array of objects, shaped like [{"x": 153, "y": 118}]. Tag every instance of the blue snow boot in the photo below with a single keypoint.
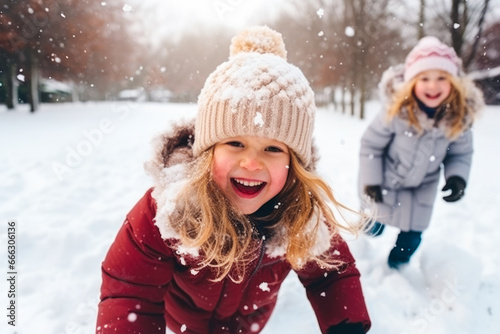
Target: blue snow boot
[
  {"x": 375, "y": 230},
  {"x": 406, "y": 244}
]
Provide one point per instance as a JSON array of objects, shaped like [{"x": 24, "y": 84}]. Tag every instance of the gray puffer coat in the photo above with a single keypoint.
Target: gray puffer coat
[{"x": 406, "y": 163}]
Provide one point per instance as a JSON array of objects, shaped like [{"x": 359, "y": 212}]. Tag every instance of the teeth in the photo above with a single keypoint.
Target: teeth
[{"x": 248, "y": 184}]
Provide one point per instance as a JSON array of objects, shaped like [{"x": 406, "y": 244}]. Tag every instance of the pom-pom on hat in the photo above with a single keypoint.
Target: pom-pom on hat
[
  {"x": 431, "y": 54},
  {"x": 257, "y": 93}
]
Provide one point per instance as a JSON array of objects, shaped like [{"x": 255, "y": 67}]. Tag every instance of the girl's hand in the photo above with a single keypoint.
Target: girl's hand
[
  {"x": 347, "y": 328},
  {"x": 457, "y": 186},
  {"x": 375, "y": 193}
]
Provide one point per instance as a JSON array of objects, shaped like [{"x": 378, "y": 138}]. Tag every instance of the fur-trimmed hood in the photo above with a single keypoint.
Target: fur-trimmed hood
[
  {"x": 169, "y": 167},
  {"x": 393, "y": 79}
]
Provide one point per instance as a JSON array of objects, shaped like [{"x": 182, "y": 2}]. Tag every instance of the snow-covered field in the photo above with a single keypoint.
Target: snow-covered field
[{"x": 70, "y": 172}]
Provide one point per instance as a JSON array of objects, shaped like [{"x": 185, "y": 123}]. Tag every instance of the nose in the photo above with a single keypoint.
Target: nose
[
  {"x": 432, "y": 84},
  {"x": 250, "y": 160}
]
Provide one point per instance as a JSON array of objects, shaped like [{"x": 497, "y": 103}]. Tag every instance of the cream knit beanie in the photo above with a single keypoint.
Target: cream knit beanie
[{"x": 257, "y": 93}]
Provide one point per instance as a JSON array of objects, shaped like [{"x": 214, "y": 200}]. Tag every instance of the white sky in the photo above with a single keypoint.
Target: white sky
[
  {"x": 160, "y": 18},
  {"x": 170, "y": 17}
]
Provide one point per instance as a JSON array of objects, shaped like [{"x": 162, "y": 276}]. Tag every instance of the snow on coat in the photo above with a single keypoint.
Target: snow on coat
[
  {"x": 407, "y": 163},
  {"x": 149, "y": 282}
]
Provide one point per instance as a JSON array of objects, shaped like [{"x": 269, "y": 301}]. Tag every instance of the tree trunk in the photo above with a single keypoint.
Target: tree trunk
[
  {"x": 362, "y": 95},
  {"x": 10, "y": 84},
  {"x": 352, "y": 104},
  {"x": 33, "y": 79},
  {"x": 457, "y": 33},
  {"x": 478, "y": 36},
  {"x": 334, "y": 98},
  {"x": 342, "y": 102},
  {"x": 421, "y": 32}
]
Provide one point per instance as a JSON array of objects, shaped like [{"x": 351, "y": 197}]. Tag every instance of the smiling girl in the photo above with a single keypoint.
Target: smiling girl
[
  {"x": 427, "y": 124},
  {"x": 235, "y": 207}
]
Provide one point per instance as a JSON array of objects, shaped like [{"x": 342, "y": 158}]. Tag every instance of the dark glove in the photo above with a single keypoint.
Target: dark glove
[
  {"x": 457, "y": 186},
  {"x": 375, "y": 193},
  {"x": 346, "y": 328}
]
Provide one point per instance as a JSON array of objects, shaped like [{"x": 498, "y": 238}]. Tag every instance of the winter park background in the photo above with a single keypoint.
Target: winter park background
[
  {"x": 71, "y": 171},
  {"x": 67, "y": 219}
]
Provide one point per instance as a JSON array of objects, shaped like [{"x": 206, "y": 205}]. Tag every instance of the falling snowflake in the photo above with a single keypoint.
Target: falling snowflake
[
  {"x": 320, "y": 13},
  {"x": 349, "y": 31},
  {"x": 258, "y": 120},
  {"x": 264, "y": 287},
  {"x": 132, "y": 317}
]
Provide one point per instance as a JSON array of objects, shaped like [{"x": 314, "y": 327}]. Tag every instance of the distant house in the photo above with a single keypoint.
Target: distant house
[
  {"x": 160, "y": 95},
  {"x": 141, "y": 95},
  {"x": 55, "y": 91},
  {"x": 49, "y": 90},
  {"x": 137, "y": 95},
  {"x": 489, "y": 82}
]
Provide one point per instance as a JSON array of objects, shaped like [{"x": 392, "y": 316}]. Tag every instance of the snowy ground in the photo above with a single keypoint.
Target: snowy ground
[{"x": 69, "y": 174}]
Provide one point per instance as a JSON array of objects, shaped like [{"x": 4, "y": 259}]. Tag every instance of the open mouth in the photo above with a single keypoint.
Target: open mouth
[
  {"x": 433, "y": 96},
  {"x": 248, "y": 187}
]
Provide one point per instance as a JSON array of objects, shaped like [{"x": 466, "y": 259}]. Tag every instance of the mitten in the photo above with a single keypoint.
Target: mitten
[
  {"x": 375, "y": 193},
  {"x": 346, "y": 328},
  {"x": 457, "y": 186}
]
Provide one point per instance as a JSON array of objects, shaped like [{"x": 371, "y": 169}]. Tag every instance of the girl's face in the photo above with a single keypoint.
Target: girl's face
[
  {"x": 250, "y": 170},
  {"x": 432, "y": 88}
]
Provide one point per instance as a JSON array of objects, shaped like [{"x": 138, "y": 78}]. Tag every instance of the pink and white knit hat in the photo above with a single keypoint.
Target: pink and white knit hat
[
  {"x": 431, "y": 54},
  {"x": 257, "y": 93}
]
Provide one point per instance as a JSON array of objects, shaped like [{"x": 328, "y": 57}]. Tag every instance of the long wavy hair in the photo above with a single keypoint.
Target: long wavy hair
[
  {"x": 453, "y": 111},
  {"x": 228, "y": 240}
]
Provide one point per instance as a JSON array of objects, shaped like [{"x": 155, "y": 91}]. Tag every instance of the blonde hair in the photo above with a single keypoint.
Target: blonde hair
[
  {"x": 453, "y": 110},
  {"x": 205, "y": 219}
]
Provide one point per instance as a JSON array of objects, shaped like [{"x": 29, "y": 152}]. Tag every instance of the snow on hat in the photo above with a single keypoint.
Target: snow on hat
[
  {"x": 431, "y": 54},
  {"x": 257, "y": 93}
]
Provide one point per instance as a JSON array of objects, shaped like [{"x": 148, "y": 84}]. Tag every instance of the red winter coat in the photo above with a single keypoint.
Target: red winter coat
[{"x": 148, "y": 284}]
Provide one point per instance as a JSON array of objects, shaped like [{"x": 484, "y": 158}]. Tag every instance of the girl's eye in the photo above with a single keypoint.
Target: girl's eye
[
  {"x": 274, "y": 149},
  {"x": 442, "y": 78},
  {"x": 234, "y": 144}
]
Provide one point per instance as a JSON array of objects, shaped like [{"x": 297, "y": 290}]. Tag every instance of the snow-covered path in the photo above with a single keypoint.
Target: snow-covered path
[{"x": 70, "y": 173}]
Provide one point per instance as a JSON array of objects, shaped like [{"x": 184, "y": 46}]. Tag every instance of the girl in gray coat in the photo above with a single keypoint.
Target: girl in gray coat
[{"x": 430, "y": 109}]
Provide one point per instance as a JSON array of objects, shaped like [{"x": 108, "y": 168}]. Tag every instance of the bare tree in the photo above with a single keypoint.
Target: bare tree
[
  {"x": 475, "y": 44},
  {"x": 343, "y": 45},
  {"x": 189, "y": 60},
  {"x": 459, "y": 18},
  {"x": 85, "y": 42},
  {"x": 461, "y": 22}
]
